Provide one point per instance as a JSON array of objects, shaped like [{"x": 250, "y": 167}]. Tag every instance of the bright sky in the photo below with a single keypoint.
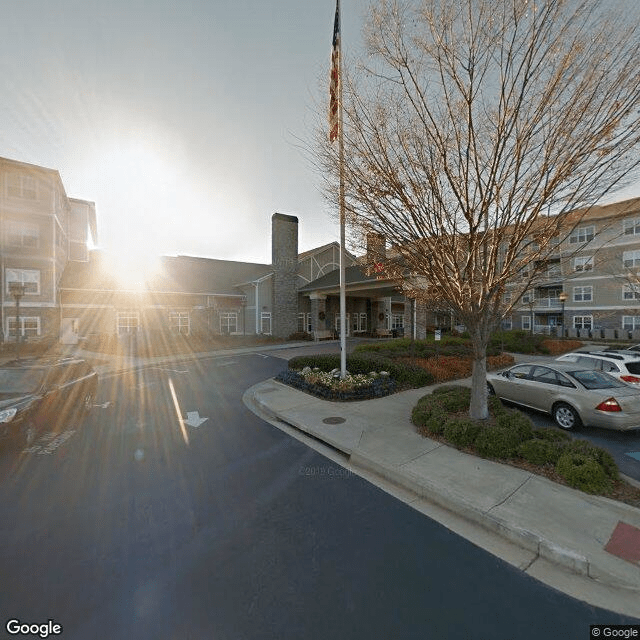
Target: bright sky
[{"x": 180, "y": 119}]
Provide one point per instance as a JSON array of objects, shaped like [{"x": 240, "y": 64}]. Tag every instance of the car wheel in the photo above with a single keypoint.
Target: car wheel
[
  {"x": 490, "y": 390},
  {"x": 566, "y": 416}
]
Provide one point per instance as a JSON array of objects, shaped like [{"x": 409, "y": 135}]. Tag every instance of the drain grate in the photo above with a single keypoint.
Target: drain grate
[{"x": 334, "y": 420}]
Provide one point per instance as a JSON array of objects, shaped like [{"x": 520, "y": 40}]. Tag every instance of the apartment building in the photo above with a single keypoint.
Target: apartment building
[
  {"x": 591, "y": 283},
  {"x": 42, "y": 230}
]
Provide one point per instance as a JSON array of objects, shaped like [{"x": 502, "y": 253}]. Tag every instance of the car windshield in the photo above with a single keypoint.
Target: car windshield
[
  {"x": 13, "y": 381},
  {"x": 595, "y": 379}
]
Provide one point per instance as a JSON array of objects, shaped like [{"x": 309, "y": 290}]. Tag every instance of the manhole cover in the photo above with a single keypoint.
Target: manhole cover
[{"x": 334, "y": 420}]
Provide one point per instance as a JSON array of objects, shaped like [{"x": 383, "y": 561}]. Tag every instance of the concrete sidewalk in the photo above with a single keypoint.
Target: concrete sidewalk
[{"x": 554, "y": 524}]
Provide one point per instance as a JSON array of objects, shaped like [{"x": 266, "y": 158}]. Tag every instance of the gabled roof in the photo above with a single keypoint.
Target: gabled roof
[
  {"x": 331, "y": 280},
  {"x": 324, "y": 247}
]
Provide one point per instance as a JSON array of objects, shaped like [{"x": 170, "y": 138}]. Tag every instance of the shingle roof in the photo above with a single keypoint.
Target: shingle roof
[{"x": 178, "y": 274}]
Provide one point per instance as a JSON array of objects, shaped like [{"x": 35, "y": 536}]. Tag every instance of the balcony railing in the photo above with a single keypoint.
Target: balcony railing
[{"x": 542, "y": 303}]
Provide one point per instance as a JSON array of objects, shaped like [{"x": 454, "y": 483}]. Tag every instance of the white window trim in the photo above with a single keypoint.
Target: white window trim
[
  {"x": 574, "y": 318},
  {"x": 583, "y": 263},
  {"x": 631, "y": 227},
  {"x": 20, "y": 231},
  {"x": 23, "y": 186},
  {"x": 12, "y": 320},
  {"x": 631, "y": 292},
  {"x": 581, "y": 235},
  {"x": 266, "y": 315},
  {"x": 23, "y": 280},
  {"x": 631, "y": 256},
  {"x": 525, "y": 322},
  {"x": 176, "y": 322},
  {"x": 583, "y": 291},
  {"x": 127, "y": 315},
  {"x": 633, "y": 321},
  {"x": 227, "y": 315}
]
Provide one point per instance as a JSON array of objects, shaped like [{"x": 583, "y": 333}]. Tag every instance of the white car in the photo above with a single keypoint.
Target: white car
[{"x": 623, "y": 365}]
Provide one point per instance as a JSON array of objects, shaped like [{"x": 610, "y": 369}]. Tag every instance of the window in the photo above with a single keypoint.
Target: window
[
  {"x": 582, "y": 235},
  {"x": 397, "y": 321},
  {"x": 583, "y": 263},
  {"x": 507, "y": 323},
  {"x": 526, "y": 322},
  {"x": 359, "y": 322},
  {"x": 21, "y": 187},
  {"x": 528, "y": 297},
  {"x": 29, "y": 326},
  {"x": 583, "y": 294},
  {"x": 631, "y": 292},
  {"x": 630, "y": 323},
  {"x": 228, "y": 322},
  {"x": 179, "y": 322},
  {"x": 22, "y": 235},
  {"x": 582, "y": 322},
  {"x": 30, "y": 278},
  {"x": 127, "y": 322},
  {"x": 521, "y": 371},
  {"x": 304, "y": 322},
  {"x": 631, "y": 259},
  {"x": 632, "y": 227},
  {"x": 265, "y": 323},
  {"x": 545, "y": 375}
]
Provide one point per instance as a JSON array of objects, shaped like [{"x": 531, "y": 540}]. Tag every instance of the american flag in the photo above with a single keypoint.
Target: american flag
[{"x": 334, "y": 119}]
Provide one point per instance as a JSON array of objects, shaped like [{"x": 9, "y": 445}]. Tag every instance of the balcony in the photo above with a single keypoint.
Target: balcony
[{"x": 542, "y": 303}]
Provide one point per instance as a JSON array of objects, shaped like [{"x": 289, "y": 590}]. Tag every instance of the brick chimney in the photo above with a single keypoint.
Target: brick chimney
[{"x": 284, "y": 259}]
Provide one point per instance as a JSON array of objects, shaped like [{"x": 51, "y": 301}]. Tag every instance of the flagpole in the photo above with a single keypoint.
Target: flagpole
[{"x": 343, "y": 295}]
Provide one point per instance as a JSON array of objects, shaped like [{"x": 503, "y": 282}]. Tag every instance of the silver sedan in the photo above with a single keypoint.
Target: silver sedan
[{"x": 572, "y": 395}]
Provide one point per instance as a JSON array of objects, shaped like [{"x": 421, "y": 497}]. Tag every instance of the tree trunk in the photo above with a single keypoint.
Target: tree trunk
[{"x": 479, "y": 409}]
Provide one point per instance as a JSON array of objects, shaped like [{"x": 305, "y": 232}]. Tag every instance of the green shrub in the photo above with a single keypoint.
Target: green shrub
[
  {"x": 518, "y": 341},
  {"x": 517, "y": 422},
  {"x": 405, "y": 375},
  {"x": 540, "y": 452},
  {"x": 583, "y": 472},
  {"x": 496, "y": 408},
  {"x": 448, "y": 388},
  {"x": 461, "y": 432},
  {"x": 601, "y": 456},
  {"x": 551, "y": 435},
  {"x": 454, "y": 399},
  {"x": 429, "y": 417},
  {"x": 497, "y": 442}
]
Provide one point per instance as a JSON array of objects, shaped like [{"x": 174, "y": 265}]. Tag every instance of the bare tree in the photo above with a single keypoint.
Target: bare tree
[{"x": 471, "y": 129}]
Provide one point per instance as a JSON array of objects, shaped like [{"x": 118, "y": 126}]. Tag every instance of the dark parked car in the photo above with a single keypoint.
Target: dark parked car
[{"x": 43, "y": 394}]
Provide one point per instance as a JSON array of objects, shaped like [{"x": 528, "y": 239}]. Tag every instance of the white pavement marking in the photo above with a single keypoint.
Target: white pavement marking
[
  {"x": 194, "y": 419},
  {"x": 49, "y": 442}
]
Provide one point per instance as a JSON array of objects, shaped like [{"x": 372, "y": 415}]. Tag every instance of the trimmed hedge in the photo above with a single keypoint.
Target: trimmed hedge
[
  {"x": 583, "y": 472},
  {"x": 405, "y": 375},
  {"x": 511, "y": 435},
  {"x": 540, "y": 452},
  {"x": 461, "y": 432}
]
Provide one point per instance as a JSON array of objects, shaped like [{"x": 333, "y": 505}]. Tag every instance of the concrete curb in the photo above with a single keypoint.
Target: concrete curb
[{"x": 431, "y": 492}]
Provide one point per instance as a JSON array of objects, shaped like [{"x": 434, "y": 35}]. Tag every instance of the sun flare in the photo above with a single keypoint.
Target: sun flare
[{"x": 132, "y": 270}]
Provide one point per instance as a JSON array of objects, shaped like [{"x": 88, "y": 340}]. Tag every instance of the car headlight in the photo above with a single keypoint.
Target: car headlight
[{"x": 7, "y": 415}]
